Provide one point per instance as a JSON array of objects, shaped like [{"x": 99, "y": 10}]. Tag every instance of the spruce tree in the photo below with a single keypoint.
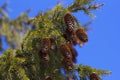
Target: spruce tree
[{"x": 46, "y": 52}]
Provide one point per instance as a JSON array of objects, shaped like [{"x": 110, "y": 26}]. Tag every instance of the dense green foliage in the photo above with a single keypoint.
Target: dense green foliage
[{"x": 27, "y": 61}]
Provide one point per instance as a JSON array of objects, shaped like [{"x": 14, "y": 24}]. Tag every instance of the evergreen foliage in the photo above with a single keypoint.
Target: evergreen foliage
[
  {"x": 13, "y": 30},
  {"x": 47, "y": 47}
]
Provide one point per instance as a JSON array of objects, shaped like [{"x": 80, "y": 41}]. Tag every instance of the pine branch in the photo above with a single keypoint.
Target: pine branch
[{"x": 48, "y": 48}]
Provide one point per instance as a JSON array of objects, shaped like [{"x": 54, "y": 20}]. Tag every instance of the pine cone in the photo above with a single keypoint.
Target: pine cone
[
  {"x": 81, "y": 34},
  {"x": 65, "y": 51},
  {"x": 45, "y": 45},
  {"x": 68, "y": 64},
  {"x": 69, "y": 20},
  {"x": 71, "y": 36},
  {"x": 94, "y": 76},
  {"x": 73, "y": 51}
]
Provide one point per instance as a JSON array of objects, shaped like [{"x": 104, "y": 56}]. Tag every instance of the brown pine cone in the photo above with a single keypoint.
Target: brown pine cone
[
  {"x": 65, "y": 51},
  {"x": 94, "y": 76},
  {"x": 69, "y": 20},
  {"x": 53, "y": 45},
  {"x": 71, "y": 36},
  {"x": 82, "y": 35},
  {"x": 73, "y": 51},
  {"x": 67, "y": 62},
  {"x": 45, "y": 45}
]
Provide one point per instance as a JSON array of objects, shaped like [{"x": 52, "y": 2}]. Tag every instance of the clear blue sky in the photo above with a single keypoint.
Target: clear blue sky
[{"x": 102, "y": 51}]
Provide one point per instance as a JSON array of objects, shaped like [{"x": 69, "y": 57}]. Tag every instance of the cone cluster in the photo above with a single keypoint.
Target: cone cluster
[
  {"x": 72, "y": 38},
  {"x": 46, "y": 45},
  {"x": 67, "y": 50},
  {"x": 78, "y": 36}
]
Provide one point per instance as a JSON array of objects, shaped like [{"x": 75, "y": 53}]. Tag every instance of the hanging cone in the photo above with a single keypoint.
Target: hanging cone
[
  {"x": 94, "y": 76},
  {"x": 81, "y": 34},
  {"x": 73, "y": 52},
  {"x": 53, "y": 45},
  {"x": 45, "y": 45},
  {"x": 67, "y": 37},
  {"x": 68, "y": 64},
  {"x": 69, "y": 32},
  {"x": 70, "y": 35},
  {"x": 65, "y": 51},
  {"x": 69, "y": 20}
]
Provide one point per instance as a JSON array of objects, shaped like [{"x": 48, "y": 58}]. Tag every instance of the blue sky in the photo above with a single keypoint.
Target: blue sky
[{"x": 102, "y": 51}]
